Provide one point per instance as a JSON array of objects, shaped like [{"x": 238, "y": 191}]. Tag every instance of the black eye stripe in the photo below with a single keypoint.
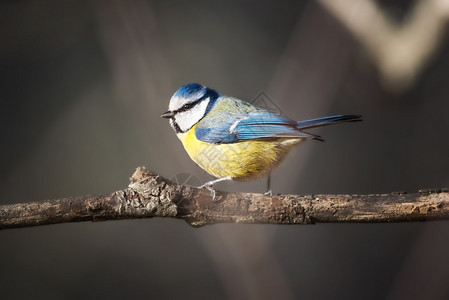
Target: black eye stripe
[{"x": 188, "y": 106}]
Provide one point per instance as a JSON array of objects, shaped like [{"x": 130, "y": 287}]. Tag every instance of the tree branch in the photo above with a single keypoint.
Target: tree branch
[{"x": 149, "y": 195}]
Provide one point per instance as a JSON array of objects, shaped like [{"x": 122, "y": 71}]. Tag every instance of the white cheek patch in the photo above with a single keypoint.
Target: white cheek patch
[{"x": 188, "y": 118}]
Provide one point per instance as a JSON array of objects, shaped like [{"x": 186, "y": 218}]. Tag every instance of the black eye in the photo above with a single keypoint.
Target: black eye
[{"x": 187, "y": 106}]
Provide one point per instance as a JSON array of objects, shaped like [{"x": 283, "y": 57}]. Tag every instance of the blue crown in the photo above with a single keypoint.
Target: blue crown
[{"x": 189, "y": 90}]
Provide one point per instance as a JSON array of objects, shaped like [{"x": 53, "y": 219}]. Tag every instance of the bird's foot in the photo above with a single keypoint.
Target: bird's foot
[{"x": 209, "y": 185}]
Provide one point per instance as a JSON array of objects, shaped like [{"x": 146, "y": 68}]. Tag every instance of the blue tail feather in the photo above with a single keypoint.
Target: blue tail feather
[{"x": 327, "y": 121}]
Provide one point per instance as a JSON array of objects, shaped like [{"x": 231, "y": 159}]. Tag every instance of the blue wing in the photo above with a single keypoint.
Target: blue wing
[{"x": 255, "y": 125}]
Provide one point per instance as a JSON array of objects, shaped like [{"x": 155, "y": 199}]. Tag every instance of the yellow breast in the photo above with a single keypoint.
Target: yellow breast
[{"x": 241, "y": 160}]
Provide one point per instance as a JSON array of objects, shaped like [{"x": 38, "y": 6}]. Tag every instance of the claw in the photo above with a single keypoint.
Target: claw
[
  {"x": 209, "y": 185},
  {"x": 210, "y": 188}
]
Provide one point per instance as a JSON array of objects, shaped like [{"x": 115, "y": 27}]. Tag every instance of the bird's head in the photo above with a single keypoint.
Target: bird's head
[{"x": 188, "y": 105}]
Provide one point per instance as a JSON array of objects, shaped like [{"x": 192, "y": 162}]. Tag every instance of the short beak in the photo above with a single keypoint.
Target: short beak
[{"x": 168, "y": 115}]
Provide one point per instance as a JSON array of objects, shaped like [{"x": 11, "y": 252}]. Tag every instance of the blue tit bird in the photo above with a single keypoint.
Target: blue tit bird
[{"x": 232, "y": 139}]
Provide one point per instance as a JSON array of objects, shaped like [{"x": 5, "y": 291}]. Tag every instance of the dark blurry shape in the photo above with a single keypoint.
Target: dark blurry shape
[
  {"x": 28, "y": 30},
  {"x": 132, "y": 43},
  {"x": 400, "y": 51}
]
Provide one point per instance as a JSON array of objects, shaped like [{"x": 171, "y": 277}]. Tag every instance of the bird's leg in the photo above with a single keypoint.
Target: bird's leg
[
  {"x": 269, "y": 192},
  {"x": 209, "y": 185}
]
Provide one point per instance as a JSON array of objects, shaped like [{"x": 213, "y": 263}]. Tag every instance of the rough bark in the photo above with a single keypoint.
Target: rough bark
[{"x": 149, "y": 195}]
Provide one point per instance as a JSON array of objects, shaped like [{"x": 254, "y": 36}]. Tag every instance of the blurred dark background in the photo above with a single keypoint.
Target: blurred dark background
[{"x": 83, "y": 85}]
